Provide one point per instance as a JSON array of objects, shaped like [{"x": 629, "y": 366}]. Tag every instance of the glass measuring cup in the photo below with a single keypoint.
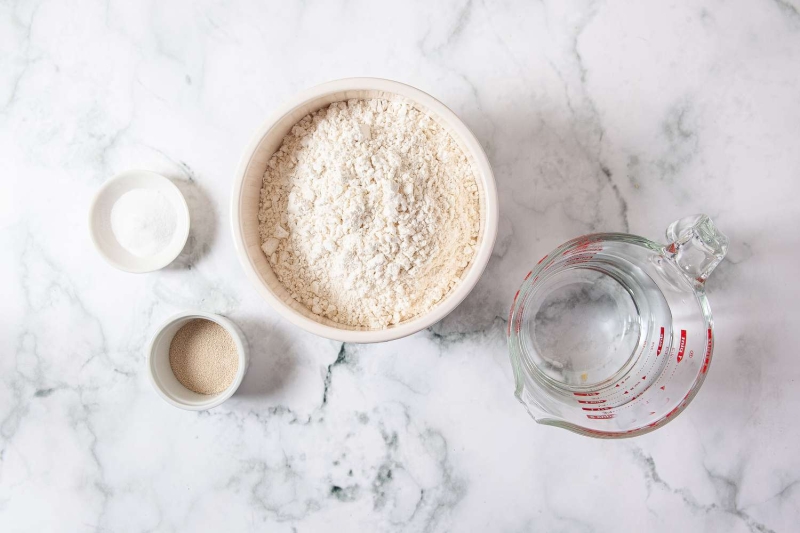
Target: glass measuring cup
[{"x": 611, "y": 334}]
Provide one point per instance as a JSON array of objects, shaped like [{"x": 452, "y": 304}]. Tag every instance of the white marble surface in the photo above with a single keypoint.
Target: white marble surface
[{"x": 613, "y": 116}]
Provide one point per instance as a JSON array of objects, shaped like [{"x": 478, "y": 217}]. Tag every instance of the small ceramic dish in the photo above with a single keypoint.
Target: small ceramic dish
[
  {"x": 100, "y": 221},
  {"x": 160, "y": 373}
]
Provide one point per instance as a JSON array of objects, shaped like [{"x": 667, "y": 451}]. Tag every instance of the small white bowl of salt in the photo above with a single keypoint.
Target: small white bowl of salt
[{"x": 139, "y": 221}]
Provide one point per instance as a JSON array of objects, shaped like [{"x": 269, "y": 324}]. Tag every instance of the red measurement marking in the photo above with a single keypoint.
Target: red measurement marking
[
  {"x": 600, "y": 417},
  {"x": 591, "y": 401},
  {"x": 662, "y": 387},
  {"x": 617, "y": 385},
  {"x": 660, "y": 342},
  {"x": 707, "y": 360},
  {"x": 626, "y": 392},
  {"x": 578, "y": 249},
  {"x": 592, "y": 248},
  {"x": 529, "y": 275},
  {"x": 682, "y": 346},
  {"x": 644, "y": 377},
  {"x": 542, "y": 259},
  {"x": 586, "y": 393},
  {"x": 515, "y": 298},
  {"x": 596, "y": 408},
  {"x": 578, "y": 260}
]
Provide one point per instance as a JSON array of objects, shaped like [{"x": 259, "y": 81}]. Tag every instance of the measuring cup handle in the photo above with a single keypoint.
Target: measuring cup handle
[{"x": 696, "y": 246}]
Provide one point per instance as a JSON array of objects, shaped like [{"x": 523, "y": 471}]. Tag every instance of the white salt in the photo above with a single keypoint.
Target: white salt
[{"x": 143, "y": 221}]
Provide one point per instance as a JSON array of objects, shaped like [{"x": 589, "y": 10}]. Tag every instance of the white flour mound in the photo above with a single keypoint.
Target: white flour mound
[{"x": 369, "y": 212}]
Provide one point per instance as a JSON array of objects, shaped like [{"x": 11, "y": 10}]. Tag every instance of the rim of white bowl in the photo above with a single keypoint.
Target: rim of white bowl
[
  {"x": 482, "y": 255},
  {"x": 144, "y": 264},
  {"x": 241, "y": 349}
]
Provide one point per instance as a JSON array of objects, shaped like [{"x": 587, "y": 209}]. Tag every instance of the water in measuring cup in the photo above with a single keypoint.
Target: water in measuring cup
[{"x": 588, "y": 324}]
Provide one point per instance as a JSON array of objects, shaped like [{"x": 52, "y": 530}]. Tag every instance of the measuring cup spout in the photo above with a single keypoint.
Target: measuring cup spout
[
  {"x": 696, "y": 246},
  {"x": 535, "y": 408}
]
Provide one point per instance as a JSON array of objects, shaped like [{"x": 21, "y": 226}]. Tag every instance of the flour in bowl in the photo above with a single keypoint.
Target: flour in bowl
[{"x": 369, "y": 212}]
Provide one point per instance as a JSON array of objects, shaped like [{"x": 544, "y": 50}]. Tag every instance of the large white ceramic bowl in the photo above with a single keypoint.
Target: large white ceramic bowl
[{"x": 247, "y": 186}]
